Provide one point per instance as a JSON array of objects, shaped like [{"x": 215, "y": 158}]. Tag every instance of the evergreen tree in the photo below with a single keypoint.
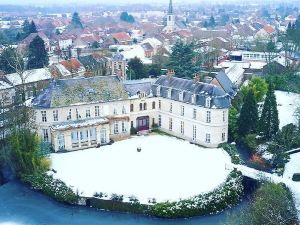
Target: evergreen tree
[
  {"x": 127, "y": 17},
  {"x": 249, "y": 115},
  {"x": 269, "y": 122},
  {"x": 37, "y": 54},
  {"x": 32, "y": 28},
  {"x": 182, "y": 60},
  {"x": 137, "y": 68},
  {"x": 297, "y": 23},
  {"x": 212, "y": 21},
  {"x": 76, "y": 22},
  {"x": 26, "y": 28}
]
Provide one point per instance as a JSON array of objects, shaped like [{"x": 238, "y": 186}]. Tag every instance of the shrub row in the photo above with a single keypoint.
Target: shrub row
[
  {"x": 54, "y": 188},
  {"x": 213, "y": 202},
  {"x": 233, "y": 152}
]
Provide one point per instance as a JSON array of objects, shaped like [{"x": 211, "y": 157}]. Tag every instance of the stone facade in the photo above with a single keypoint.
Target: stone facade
[{"x": 199, "y": 114}]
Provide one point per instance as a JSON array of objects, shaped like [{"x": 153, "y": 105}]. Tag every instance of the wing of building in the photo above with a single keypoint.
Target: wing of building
[{"x": 81, "y": 113}]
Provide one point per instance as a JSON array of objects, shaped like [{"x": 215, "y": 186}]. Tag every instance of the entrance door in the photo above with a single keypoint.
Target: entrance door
[
  {"x": 61, "y": 142},
  {"x": 142, "y": 123}
]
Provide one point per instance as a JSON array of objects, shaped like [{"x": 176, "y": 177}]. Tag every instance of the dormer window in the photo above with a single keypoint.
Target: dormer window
[
  {"x": 207, "y": 102},
  {"x": 158, "y": 91},
  {"x": 142, "y": 94},
  {"x": 169, "y": 93},
  {"x": 181, "y": 96},
  {"x": 194, "y": 99}
]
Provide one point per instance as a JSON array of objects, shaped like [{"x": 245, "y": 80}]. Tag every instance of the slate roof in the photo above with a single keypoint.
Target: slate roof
[
  {"x": 78, "y": 91},
  {"x": 226, "y": 83},
  {"x": 135, "y": 86},
  {"x": 219, "y": 99}
]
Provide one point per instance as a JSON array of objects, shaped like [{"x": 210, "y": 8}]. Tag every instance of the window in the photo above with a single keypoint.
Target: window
[
  {"x": 224, "y": 114},
  {"x": 69, "y": 117},
  {"x": 159, "y": 120},
  {"x": 103, "y": 136},
  {"x": 159, "y": 104},
  {"x": 115, "y": 111},
  {"x": 123, "y": 110},
  {"x": 83, "y": 135},
  {"x": 207, "y": 138},
  {"x": 116, "y": 127},
  {"x": 55, "y": 115},
  {"x": 141, "y": 106},
  {"x": 182, "y": 127},
  {"x": 153, "y": 121},
  {"x": 170, "y": 124},
  {"x": 194, "y": 113},
  {"x": 44, "y": 117},
  {"x": 223, "y": 136},
  {"x": 142, "y": 94},
  {"x": 131, "y": 123},
  {"x": 93, "y": 134},
  {"x": 145, "y": 106},
  {"x": 194, "y": 132},
  {"x": 182, "y": 110},
  {"x": 88, "y": 113},
  {"x": 153, "y": 105},
  {"x": 181, "y": 96},
  {"x": 123, "y": 127},
  {"x": 74, "y": 137},
  {"x": 193, "y": 99},
  {"x": 170, "y": 93},
  {"x": 97, "y": 111},
  {"x": 78, "y": 114},
  {"x": 207, "y": 102},
  {"x": 208, "y": 116},
  {"x": 158, "y": 91},
  {"x": 45, "y": 135},
  {"x": 171, "y": 107},
  {"x": 131, "y": 108}
]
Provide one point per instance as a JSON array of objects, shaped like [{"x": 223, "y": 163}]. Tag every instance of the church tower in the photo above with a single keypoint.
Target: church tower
[{"x": 170, "y": 19}]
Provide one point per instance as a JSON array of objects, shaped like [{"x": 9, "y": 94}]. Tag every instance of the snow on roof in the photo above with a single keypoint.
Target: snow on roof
[
  {"x": 30, "y": 76},
  {"x": 79, "y": 123},
  {"x": 63, "y": 71},
  {"x": 258, "y": 65},
  {"x": 4, "y": 85},
  {"x": 153, "y": 42},
  {"x": 235, "y": 72}
]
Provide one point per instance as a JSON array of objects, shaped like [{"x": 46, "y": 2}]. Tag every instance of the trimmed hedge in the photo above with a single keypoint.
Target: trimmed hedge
[
  {"x": 54, "y": 188},
  {"x": 213, "y": 202},
  {"x": 233, "y": 152}
]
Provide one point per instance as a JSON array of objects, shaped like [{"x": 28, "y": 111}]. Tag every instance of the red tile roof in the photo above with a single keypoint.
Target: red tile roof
[
  {"x": 269, "y": 29},
  {"x": 72, "y": 64},
  {"x": 121, "y": 36}
]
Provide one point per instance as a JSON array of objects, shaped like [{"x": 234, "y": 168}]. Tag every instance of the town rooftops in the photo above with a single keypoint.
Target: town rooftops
[
  {"x": 190, "y": 89},
  {"x": 80, "y": 91}
]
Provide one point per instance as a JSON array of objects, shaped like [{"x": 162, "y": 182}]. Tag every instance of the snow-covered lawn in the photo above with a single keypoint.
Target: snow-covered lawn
[
  {"x": 166, "y": 169},
  {"x": 287, "y": 104},
  {"x": 293, "y": 166}
]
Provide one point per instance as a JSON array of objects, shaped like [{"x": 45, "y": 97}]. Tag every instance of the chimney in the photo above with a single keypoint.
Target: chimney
[{"x": 170, "y": 73}]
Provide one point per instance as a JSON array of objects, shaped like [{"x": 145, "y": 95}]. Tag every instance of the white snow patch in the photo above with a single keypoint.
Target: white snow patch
[
  {"x": 287, "y": 103},
  {"x": 166, "y": 169}
]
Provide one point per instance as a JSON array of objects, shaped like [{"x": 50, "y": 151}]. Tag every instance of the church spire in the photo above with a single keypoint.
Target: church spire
[{"x": 170, "y": 8}]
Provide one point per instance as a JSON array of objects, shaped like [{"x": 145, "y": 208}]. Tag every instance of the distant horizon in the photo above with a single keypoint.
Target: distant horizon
[{"x": 49, "y": 3}]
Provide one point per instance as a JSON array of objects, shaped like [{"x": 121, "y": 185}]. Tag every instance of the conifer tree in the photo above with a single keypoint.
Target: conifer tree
[
  {"x": 249, "y": 115},
  {"x": 76, "y": 22},
  {"x": 37, "y": 54},
  {"x": 32, "y": 28},
  {"x": 269, "y": 122}
]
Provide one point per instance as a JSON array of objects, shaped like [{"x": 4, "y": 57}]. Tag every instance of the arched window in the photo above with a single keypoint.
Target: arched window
[
  {"x": 141, "y": 106},
  {"x": 145, "y": 106},
  {"x": 153, "y": 105}
]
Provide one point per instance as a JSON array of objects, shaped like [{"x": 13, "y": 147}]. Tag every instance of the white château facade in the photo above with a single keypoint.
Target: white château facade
[{"x": 81, "y": 113}]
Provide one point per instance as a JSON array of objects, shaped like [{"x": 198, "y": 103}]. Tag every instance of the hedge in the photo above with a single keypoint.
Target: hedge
[
  {"x": 54, "y": 188},
  {"x": 213, "y": 202},
  {"x": 233, "y": 152}
]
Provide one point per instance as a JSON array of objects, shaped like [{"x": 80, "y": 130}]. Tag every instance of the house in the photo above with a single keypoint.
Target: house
[
  {"x": 74, "y": 67},
  {"x": 266, "y": 32},
  {"x": 25, "y": 43},
  {"x": 118, "y": 65},
  {"x": 121, "y": 38},
  {"x": 95, "y": 64},
  {"x": 80, "y": 113}
]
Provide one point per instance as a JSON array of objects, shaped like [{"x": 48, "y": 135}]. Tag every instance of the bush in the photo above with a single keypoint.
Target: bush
[
  {"x": 250, "y": 141},
  {"x": 54, "y": 188},
  {"x": 296, "y": 177},
  {"x": 133, "y": 199},
  {"x": 233, "y": 152},
  {"x": 221, "y": 198},
  {"x": 133, "y": 131},
  {"x": 45, "y": 164}
]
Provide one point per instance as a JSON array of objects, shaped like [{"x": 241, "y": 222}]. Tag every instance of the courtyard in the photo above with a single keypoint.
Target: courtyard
[{"x": 166, "y": 168}]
